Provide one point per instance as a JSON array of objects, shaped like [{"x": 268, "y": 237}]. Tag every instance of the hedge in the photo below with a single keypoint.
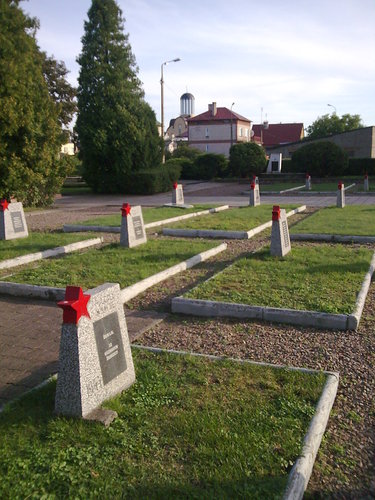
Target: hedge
[
  {"x": 158, "y": 180},
  {"x": 361, "y": 166}
]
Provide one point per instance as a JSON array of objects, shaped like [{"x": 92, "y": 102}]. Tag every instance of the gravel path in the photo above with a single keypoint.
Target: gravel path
[{"x": 345, "y": 463}]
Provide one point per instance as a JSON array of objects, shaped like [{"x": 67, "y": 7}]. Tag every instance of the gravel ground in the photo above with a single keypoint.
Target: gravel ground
[{"x": 345, "y": 462}]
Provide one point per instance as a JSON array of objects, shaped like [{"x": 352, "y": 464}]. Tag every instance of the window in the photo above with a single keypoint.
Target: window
[
  {"x": 179, "y": 130},
  {"x": 207, "y": 134},
  {"x": 240, "y": 131},
  {"x": 206, "y": 148}
]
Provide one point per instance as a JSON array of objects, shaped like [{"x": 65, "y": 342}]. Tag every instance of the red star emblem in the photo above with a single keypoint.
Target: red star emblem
[
  {"x": 175, "y": 185},
  {"x": 3, "y": 205},
  {"x": 125, "y": 209},
  {"x": 307, "y": 176},
  {"x": 276, "y": 212},
  {"x": 252, "y": 185},
  {"x": 339, "y": 185},
  {"x": 74, "y": 305}
]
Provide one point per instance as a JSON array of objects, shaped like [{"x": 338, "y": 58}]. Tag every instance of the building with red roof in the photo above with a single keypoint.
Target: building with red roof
[{"x": 275, "y": 134}]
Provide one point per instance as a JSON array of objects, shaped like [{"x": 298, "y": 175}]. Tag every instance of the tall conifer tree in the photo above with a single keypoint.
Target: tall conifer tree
[{"x": 116, "y": 128}]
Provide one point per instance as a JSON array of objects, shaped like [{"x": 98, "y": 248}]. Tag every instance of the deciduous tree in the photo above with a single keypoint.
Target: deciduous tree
[{"x": 327, "y": 125}]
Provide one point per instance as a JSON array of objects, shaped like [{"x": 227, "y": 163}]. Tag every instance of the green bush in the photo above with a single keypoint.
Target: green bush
[
  {"x": 287, "y": 167},
  {"x": 320, "y": 159},
  {"x": 187, "y": 166},
  {"x": 210, "y": 165},
  {"x": 360, "y": 166},
  {"x": 158, "y": 180},
  {"x": 246, "y": 159},
  {"x": 185, "y": 151}
]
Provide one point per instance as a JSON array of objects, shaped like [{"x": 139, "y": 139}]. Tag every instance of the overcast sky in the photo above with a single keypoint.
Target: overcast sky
[{"x": 290, "y": 58}]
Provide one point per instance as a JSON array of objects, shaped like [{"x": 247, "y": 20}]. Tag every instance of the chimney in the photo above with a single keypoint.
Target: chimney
[{"x": 212, "y": 108}]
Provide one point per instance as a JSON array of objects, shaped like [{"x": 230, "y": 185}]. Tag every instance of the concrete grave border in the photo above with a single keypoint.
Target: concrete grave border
[
  {"x": 332, "y": 237},
  {"x": 216, "y": 233},
  {"x": 73, "y": 228},
  {"x": 126, "y": 294},
  {"x": 53, "y": 252},
  {"x": 211, "y": 308},
  {"x": 301, "y": 471}
]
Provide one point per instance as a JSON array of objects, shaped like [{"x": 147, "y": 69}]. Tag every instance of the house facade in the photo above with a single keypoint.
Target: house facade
[{"x": 216, "y": 130}]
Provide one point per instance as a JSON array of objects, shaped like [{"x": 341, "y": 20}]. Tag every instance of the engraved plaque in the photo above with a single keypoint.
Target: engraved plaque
[
  {"x": 138, "y": 229},
  {"x": 284, "y": 225},
  {"x": 275, "y": 166},
  {"x": 17, "y": 222},
  {"x": 109, "y": 346},
  {"x": 179, "y": 195}
]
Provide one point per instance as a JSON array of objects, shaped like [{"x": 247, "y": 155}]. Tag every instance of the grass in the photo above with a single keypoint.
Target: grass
[
  {"x": 188, "y": 428},
  {"x": 315, "y": 187},
  {"x": 234, "y": 219},
  {"x": 321, "y": 278},
  {"x": 37, "y": 242},
  {"x": 150, "y": 214},
  {"x": 110, "y": 263},
  {"x": 354, "y": 220}
]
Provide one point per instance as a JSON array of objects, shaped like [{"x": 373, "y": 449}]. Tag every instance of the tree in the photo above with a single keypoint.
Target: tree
[
  {"x": 117, "y": 130},
  {"x": 246, "y": 158},
  {"x": 29, "y": 129},
  {"x": 320, "y": 159},
  {"x": 326, "y": 125}
]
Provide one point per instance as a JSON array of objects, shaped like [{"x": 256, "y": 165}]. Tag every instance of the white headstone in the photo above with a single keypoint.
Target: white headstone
[
  {"x": 340, "y": 200},
  {"x": 366, "y": 183},
  {"x": 12, "y": 221},
  {"x": 280, "y": 240},
  {"x": 95, "y": 361},
  {"x": 274, "y": 163},
  {"x": 308, "y": 182},
  {"x": 254, "y": 195},
  {"x": 132, "y": 226},
  {"x": 177, "y": 194}
]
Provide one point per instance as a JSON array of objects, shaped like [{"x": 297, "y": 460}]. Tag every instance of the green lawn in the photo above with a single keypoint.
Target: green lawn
[
  {"x": 111, "y": 263},
  {"x": 353, "y": 220},
  {"x": 279, "y": 186},
  {"x": 324, "y": 278},
  {"x": 37, "y": 242},
  {"x": 150, "y": 214},
  {"x": 234, "y": 219},
  {"x": 188, "y": 428}
]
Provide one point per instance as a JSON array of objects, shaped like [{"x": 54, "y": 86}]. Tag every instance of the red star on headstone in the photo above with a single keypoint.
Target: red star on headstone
[
  {"x": 252, "y": 185},
  {"x": 307, "y": 176},
  {"x": 125, "y": 209},
  {"x": 275, "y": 212},
  {"x": 3, "y": 205},
  {"x": 175, "y": 185},
  {"x": 339, "y": 185},
  {"x": 74, "y": 305}
]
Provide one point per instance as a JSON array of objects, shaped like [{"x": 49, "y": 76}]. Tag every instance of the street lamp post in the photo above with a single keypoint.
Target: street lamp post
[
  {"x": 332, "y": 106},
  {"x": 231, "y": 126},
  {"x": 162, "y": 98}
]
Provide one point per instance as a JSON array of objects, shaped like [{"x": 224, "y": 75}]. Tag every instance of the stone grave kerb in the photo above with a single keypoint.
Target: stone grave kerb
[
  {"x": 340, "y": 200},
  {"x": 95, "y": 360},
  {"x": 308, "y": 182},
  {"x": 12, "y": 221},
  {"x": 177, "y": 194},
  {"x": 366, "y": 186},
  {"x": 132, "y": 226},
  {"x": 254, "y": 195},
  {"x": 280, "y": 240}
]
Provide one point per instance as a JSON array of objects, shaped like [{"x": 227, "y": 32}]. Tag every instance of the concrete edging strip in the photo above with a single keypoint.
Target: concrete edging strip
[
  {"x": 355, "y": 318},
  {"x": 45, "y": 254},
  {"x": 52, "y": 293},
  {"x": 332, "y": 237},
  {"x": 71, "y": 228},
  {"x": 132, "y": 291},
  {"x": 232, "y": 235},
  {"x": 301, "y": 471}
]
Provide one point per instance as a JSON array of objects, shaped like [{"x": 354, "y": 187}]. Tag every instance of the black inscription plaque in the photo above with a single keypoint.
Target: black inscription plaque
[
  {"x": 275, "y": 166},
  {"x": 138, "y": 229},
  {"x": 16, "y": 218},
  {"x": 285, "y": 233},
  {"x": 110, "y": 348}
]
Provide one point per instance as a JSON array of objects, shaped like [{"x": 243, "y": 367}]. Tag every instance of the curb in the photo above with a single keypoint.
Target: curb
[
  {"x": 301, "y": 471},
  {"x": 52, "y": 293},
  {"x": 332, "y": 237},
  {"x": 53, "y": 252},
  {"x": 132, "y": 291},
  {"x": 231, "y": 235},
  {"x": 73, "y": 228}
]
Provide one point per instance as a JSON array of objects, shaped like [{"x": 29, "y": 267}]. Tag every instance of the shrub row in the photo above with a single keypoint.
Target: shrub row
[{"x": 157, "y": 180}]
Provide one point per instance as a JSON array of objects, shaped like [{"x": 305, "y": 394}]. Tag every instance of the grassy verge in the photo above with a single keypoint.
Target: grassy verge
[
  {"x": 150, "y": 214},
  {"x": 37, "y": 242},
  {"x": 354, "y": 220},
  {"x": 234, "y": 219},
  {"x": 324, "y": 278},
  {"x": 110, "y": 263},
  {"x": 188, "y": 428},
  {"x": 279, "y": 186}
]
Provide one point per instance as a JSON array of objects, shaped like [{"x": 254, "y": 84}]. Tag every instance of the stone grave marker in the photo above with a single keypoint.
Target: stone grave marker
[
  {"x": 308, "y": 182},
  {"x": 274, "y": 163},
  {"x": 256, "y": 179},
  {"x": 254, "y": 195},
  {"x": 95, "y": 361},
  {"x": 340, "y": 201},
  {"x": 177, "y": 194},
  {"x": 280, "y": 240},
  {"x": 132, "y": 226},
  {"x": 12, "y": 221},
  {"x": 365, "y": 183}
]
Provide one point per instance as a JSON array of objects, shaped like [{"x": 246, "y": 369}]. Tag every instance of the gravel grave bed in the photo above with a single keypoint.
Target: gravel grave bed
[{"x": 345, "y": 464}]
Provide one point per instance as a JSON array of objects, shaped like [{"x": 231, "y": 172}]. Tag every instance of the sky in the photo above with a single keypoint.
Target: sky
[{"x": 280, "y": 60}]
